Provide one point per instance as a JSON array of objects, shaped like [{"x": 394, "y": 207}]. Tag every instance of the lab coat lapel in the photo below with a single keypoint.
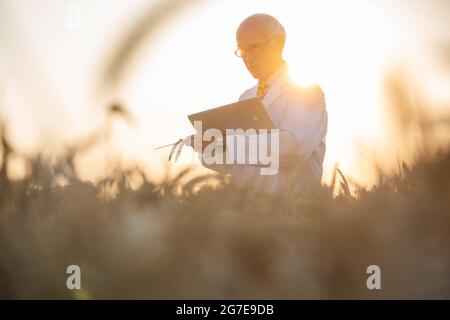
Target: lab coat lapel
[
  {"x": 274, "y": 92},
  {"x": 253, "y": 92}
]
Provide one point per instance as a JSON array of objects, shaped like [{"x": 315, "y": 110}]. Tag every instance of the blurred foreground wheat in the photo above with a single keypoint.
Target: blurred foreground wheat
[{"x": 191, "y": 240}]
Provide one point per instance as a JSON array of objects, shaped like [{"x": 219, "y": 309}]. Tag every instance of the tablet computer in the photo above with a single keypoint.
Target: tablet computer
[{"x": 245, "y": 114}]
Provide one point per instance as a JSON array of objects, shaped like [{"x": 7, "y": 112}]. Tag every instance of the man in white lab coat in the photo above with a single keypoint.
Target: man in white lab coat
[{"x": 299, "y": 112}]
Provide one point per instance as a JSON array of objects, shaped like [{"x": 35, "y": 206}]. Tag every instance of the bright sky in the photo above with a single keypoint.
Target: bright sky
[{"x": 49, "y": 85}]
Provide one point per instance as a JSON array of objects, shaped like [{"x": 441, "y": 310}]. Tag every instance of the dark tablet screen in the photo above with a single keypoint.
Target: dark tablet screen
[{"x": 245, "y": 114}]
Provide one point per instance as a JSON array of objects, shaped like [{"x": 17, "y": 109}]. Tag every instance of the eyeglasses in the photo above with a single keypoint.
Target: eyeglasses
[{"x": 254, "y": 50}]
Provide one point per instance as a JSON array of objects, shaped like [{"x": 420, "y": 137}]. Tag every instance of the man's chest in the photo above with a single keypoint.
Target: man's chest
[{"x": 275, "y": 102}]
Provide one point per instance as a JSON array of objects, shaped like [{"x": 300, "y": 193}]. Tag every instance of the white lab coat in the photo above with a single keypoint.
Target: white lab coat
[{"x": 300, "y": 114}]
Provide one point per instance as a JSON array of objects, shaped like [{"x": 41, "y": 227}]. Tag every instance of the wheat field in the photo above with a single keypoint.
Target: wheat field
[{"x": 190, "y": 239}]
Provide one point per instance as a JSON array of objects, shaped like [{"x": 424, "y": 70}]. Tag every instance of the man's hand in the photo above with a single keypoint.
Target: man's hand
[{"x": 189, "y": 140}]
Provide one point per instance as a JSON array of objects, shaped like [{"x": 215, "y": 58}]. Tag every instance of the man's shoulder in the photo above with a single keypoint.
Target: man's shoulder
[{"x": 310, "y": 95}]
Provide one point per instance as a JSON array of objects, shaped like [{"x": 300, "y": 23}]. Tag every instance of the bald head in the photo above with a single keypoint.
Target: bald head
[
  {"x": 263, "y": 24},
  {"x": 261, "y": 40}
]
